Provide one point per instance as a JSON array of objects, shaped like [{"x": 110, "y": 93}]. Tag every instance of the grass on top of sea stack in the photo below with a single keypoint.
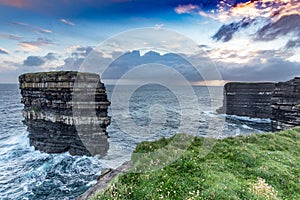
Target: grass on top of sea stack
[{"x": 257, "y": 166}]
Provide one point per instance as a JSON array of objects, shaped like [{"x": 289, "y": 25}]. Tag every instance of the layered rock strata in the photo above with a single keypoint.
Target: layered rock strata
[
  {"x": 279, "y": 102},
  {"x": 248, "y": 99},
  {"x": 65, "y": 111},
  {"x": 286, "y": 104}
]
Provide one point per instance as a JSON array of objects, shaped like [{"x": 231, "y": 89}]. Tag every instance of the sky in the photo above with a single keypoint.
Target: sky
[{"x": 246, "y": 40}]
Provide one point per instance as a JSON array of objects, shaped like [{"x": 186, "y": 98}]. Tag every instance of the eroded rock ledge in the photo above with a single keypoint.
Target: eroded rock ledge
[
  {"x": 65, "y": 111},
  {"x": 279, "y": 102}
]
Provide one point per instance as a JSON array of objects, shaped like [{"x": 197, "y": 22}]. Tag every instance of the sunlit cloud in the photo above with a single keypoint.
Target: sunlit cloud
[
  {"x": 67, "y": 22},
  {"x": 30, "y": 27},
  {"x": 274, "y": 10},
  {"x": 228, "y": 10},
  {"x": 187, "y": 9},
  {"x": 35, "y": 45},
  {"x": 10, "y": 36}
]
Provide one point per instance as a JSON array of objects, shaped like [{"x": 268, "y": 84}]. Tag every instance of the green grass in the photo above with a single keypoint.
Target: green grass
[{"x": 257, "y": 166}]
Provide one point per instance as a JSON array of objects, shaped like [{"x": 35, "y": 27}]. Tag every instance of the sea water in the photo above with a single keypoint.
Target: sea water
[{"x": 29, "y": 174}]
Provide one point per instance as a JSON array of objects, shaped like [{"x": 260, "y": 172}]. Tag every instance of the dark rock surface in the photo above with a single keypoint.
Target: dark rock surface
[
  {"x": 279, "y": 102},
  {"x": 65, "y": 111},
  {"x": 248, "y": 99},
  {"x": 286, "y": 104}
]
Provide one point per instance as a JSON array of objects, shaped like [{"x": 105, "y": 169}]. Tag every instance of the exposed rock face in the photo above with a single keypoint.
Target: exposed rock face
[
  {"x": 286, "y": 104},
  {"x": 65, "y": 111},
  {"x": 277, "y": 101},
  {"x": 248, "y": 99}
]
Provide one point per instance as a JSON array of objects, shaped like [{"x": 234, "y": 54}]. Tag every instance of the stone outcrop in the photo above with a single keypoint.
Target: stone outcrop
[
  {"x": 286, "y": 104},
  {"x": 279, "y": 102},
  {"x": 65, "y": 111}
]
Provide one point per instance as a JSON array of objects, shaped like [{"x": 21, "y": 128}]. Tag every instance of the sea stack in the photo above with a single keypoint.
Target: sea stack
[{"x": 66, "y": 111}]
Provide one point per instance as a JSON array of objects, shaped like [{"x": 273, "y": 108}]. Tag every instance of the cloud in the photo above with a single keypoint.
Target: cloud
[
  {"x": 293, "y": 44},
  {"x": 31, "y": 28},
  {"x": 67, "y": 22},
  {"x": 266, "y": 65},
  {"x": 71, "y": 63},
  {"x": 10, "y": 36},
  {"x": 33, "y": 61},
  {"x": 187, "y": 9},
  {"x": 50, "y": 56},
  {"x": 285, "y": 25},
  {"x": 273, "y": 69},
  {"x": 270, "y": 19},
  {"x": 267, "y": 9},
  {"x": 159, "y": 26},
  {"x": 3, "y": 51},
  {"x": 76, "y": 58},
  {"x": 35, "y": 45},
  {"x": 84, "y": 51},
  {"x": 225, "y": 33}
]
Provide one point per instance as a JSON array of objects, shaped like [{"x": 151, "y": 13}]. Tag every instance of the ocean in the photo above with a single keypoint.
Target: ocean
[{"x": 29, "y": 174}]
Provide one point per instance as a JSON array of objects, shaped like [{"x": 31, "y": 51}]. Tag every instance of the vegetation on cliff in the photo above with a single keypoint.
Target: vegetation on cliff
[{"x": 257, "y": 166}]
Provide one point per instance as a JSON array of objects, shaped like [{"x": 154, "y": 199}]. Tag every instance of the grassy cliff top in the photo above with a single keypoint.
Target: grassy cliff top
[{"x": 258, "y": 166}]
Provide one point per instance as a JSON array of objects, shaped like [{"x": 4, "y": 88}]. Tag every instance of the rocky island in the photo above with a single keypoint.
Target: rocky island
[{"x": 57, "y": 120}]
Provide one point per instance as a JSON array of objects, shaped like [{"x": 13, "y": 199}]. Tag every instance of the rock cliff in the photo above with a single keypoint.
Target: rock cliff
[
  {"x": 286, "y": 104},
  {"x": 279, "y": 102},
  {"x": 65, "y": 111},
  {"x": 248, "y": 99}
]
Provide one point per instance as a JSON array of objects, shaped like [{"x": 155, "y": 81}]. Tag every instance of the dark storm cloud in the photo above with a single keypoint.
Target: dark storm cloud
[
  {"x": 226, "y": 32},
  {"x": 34, "y": 61},
  {"x": 285, "y": 25}
]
